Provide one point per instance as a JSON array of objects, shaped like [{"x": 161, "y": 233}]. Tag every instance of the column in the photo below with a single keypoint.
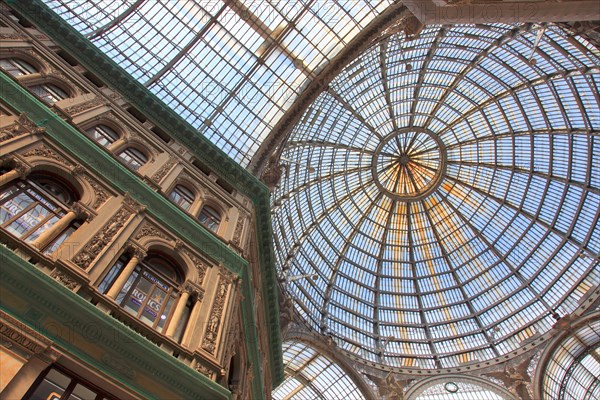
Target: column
[
  {"x": 125, "y": 273},
  {"x": 189, "y": 329},
  {"x": 179, "y": 310},
  {"x": 19, "y": 171},
  {"x": 50, "y": 233}
]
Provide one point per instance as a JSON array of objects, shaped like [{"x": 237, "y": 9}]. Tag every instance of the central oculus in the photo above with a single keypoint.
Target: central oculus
[{"x": 409, "y": 164}]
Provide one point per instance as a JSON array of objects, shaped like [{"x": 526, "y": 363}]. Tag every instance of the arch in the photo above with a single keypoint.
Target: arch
[
  {"x": 30, "y": 57},
  {"x": 478, "y": 388},
  {"x": 211, "y": 217},
  {"x": 111, "y": 135},
  {"x": 50, "y": 90},
  {"x": 572, "y": 351},
  {"x": 38, "y": 210},
  {"x": 17, "y": 66},
  {"x": 312, "y": 373},
  {"x": 182, "y": 195},
  {"x": 133, "y": 155}
]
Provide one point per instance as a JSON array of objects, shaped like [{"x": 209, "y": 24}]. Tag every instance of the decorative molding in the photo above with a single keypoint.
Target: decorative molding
[
  {"x": 160, "y": 174},
  {"x": 77, "y": 108},
  {"x": 200, "y": 266},
  {"x": 100, "y": 193},
  {"x": 45, "y": 152},
  {"x": 239, "y": 226},
  {"x": 204, "y": 370},
  {"x": 64, "y": 279},
  {"x": 20, "y": 127},
  {"x": 84, "y": 258},
  {"x": 9, "y": 36},
  {"x": 149, "y": 229},
  {"x": 16, "y": 332},
  {"x": 214, "y": 321},
  {"x": 133, "y": 204}
]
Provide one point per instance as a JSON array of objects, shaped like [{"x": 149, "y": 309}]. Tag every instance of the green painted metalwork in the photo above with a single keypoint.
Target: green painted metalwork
[
  {"x": 81, "y": 329},
  {"x": 136, "y": 94}
]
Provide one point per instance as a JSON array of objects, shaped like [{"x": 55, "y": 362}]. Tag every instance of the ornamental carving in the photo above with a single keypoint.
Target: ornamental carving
[
  {"x": 89, "y": 253},
  {"x": 64, "y": 280},
  {"x": 133, "y": 204},
  {"x": 21, "y": 126},
  {"x": 46, "y": 152},
  {"x": 77, "y": 108},
  {"x": 200, "y": 267},
  {"x": 204, "y": 370},
  {"x": 390, "y": 387},
  {"x": 237, "y": 233},
  {"x": 12, "y": 36},
  {"x": 148, "y": 229},
  {"x": 160, "y": 174},
  {"x": 20, "y": 335},
  {"x": 99, "y": 192},
  {"x": 214, "y": 321}
]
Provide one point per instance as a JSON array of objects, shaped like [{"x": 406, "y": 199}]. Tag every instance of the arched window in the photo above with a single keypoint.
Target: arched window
[
  {"x": 49, "y": 93},
  {"x": 17, "y": 67},
  {"x": 182, "y": 196},
  {"x": 103, "y": 135},
  {"x": 31, "y": 207},
  {"x": 150, "y": 292},
  {"x": 133, "y": 158},
  {"x": 210, "y": 218}
]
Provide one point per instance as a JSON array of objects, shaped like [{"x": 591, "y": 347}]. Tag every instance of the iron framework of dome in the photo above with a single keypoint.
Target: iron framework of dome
[{"x": 442, "y": 202}]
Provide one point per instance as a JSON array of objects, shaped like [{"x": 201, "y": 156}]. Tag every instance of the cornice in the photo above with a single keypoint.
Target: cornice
[{"x": 136, "y": 94}]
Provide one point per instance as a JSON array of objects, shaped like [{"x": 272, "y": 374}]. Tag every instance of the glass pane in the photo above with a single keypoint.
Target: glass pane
[
  {"x": 52, "y": 387},
  {"x": 152, "y": 308},
  {"x": 165, "y": 314},
  {"x": 29, "y": 221},
  {"x": 126, "y": 287},
  {"x": 111, "y": 276},
  {"x": 138, "y": 296},
  {"x": 14, "y": 206},
  {"x": 80, "y": 392}
]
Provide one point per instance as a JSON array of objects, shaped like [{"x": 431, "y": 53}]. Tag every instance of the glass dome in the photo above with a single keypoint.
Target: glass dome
[{"x": 442, "y": 200}]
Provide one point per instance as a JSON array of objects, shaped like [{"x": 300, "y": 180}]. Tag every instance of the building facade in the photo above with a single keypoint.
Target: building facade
[{"x": 130, "y": 269}]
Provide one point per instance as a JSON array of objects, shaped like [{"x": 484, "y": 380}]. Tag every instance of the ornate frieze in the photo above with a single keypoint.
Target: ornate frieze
[
  {"x": 14, "y": 332},
  {"x": 89, "y": 253},
  {"x": 214, "y": 321}
]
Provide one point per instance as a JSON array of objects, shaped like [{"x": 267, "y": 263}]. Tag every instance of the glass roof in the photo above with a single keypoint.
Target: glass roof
[
  {"x": 230, "y": 68},
  {"x": 573, "y": 372},
  {"x": 442, "y": 200},
  {"x": 311, "y": 375}
]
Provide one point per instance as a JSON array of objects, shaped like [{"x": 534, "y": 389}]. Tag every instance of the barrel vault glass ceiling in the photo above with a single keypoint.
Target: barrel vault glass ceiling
[
  {"x": 231, "y": 68},
  {"x": 441, "y": 198}
]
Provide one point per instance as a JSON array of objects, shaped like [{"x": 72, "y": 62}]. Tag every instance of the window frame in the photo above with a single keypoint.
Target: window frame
[{"x": 38, "y": 196}]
